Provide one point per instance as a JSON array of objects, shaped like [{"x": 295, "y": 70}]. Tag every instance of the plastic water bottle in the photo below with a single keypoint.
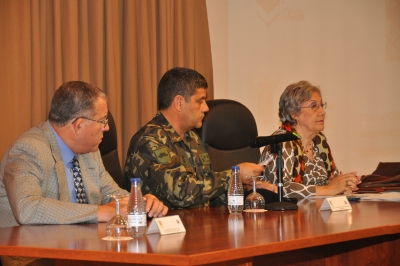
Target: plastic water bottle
[
  {"x": 235, "y": 192},
  {"x": 137, "y": 209}
]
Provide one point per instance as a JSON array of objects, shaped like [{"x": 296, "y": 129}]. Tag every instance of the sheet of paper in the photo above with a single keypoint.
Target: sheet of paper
[
  {"x": 384, "y": 196},
  {"x": 266, "y": 160}
]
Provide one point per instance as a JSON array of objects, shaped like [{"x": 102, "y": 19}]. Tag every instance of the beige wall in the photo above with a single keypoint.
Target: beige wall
[{"x": 350, "y": 48}]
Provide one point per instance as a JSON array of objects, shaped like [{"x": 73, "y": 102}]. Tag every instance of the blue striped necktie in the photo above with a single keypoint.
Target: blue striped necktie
[{"x": 79, "y": 188}]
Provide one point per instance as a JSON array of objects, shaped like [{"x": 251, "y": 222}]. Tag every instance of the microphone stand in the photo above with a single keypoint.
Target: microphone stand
[{"x": 276, "y": 148}]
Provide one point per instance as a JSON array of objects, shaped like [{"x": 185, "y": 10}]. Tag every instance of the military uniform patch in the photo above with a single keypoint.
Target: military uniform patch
[
  {"x": 184, "y": 160},
  {"x": 205, "y": 159},
  {"x": 162, "y": 155}
]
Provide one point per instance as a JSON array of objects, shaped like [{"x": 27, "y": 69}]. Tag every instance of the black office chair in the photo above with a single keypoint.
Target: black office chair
[
  {"x": 227, "y": 128},
  {"x": 109, "y": 152}
]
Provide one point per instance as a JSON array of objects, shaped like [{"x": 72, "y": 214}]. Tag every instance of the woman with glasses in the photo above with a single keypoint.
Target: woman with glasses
[{"x": 308, "y": 166}]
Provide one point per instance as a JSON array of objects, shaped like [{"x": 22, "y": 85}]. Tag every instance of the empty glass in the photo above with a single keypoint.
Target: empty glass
[
  {"x": 254, "y": 202},
  {"x": 118, "y": 228}
]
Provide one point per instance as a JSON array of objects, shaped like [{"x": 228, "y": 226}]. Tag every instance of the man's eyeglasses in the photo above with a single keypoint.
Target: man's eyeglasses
[
  {"x": 103, "y": 121},
  {"x": 315, "y": 106}
]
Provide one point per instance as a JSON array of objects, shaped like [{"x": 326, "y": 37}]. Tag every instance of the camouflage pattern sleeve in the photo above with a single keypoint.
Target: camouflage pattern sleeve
[{"x": 179, "y": 173}]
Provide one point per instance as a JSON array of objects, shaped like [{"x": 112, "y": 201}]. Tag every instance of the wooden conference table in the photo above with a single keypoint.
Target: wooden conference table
[{"x": 367, "y": 235}]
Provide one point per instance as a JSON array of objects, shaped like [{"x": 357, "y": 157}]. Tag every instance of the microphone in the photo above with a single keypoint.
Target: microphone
[{"x": 263, "y": 141}]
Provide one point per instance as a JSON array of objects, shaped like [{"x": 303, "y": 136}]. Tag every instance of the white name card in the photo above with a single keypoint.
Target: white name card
[
  {"x": 334, "y": 204},
  {"x": 166, "y": 225}
]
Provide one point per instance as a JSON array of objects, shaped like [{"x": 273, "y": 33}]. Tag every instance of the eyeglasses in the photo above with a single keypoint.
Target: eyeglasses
[
  {"x": 104, "y": 121},
  {"x": 315, "y": 106}
]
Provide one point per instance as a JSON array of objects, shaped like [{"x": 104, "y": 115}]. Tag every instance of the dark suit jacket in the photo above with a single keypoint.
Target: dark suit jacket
[{"x": 33, "y": 184}]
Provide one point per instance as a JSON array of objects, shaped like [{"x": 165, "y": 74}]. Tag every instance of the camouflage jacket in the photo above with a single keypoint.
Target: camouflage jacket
[{"x": 179, "y": 173}]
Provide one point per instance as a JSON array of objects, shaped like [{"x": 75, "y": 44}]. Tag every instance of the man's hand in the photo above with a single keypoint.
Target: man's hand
[
  {"x": 249, "y": 169},
  {"x": 107, "y": 211},
  {"x": 264, "y": 185},
  {"x": 155, "y": 207}
]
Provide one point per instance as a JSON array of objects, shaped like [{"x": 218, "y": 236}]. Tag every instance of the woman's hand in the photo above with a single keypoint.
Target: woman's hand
[{"x": 346, "y": 183}]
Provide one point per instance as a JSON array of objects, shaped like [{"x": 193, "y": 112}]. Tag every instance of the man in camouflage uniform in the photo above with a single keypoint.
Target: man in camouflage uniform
[{"x": 169, "y": 156}]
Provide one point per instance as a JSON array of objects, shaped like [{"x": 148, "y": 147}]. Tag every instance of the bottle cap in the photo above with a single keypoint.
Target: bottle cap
[
  {"x": 135, "y": 179},
  {"x": 235, "y": 168}
]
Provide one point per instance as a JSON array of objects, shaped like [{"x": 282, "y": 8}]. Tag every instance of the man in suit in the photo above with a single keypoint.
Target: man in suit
[{"x": 37, "y": 184}]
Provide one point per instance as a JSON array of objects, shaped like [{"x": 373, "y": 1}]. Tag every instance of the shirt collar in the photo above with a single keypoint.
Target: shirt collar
[
  {"x": 66, "y": 153},
  {"x": 174, "y": 136}
]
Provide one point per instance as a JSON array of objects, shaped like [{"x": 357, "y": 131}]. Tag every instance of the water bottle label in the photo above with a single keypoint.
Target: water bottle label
[
  {"x": 235, "y": 200},
  {"x": 137, "y": 220}
]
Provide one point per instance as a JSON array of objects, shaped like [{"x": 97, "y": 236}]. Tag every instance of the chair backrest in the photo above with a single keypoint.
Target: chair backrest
[
  {"x": 227, "y": 128},
  {"x": 109, "y": 152}
]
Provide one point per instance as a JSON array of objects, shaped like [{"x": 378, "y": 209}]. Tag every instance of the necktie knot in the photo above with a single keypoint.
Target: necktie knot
[
  {"x": 78, "y": 183},
  {"x": 74, "y": 161}
]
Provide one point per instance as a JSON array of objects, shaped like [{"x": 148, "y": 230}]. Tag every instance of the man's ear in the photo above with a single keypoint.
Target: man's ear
[
  {"x": 177, "y": 102},
  {"x": 77, "y": 125}
]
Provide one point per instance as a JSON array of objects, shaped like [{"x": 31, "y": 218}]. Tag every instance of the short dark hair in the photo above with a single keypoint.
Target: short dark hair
[
  {"x": 292, "y": 98},
  {"x": 178, "y": 81},
  {"x": 74, "y": 99}
]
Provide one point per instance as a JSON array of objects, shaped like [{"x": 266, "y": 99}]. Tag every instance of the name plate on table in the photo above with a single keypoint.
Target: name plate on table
[
  {"x": 334, "y": 204},
  {"x": 166, "y": 225}
]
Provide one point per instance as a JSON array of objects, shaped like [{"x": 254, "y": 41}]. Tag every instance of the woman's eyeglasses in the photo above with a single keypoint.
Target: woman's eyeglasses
[{"x": 315, "y": 106}]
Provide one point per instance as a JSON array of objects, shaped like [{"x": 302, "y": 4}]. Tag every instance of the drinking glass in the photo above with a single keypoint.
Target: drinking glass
[
  {"x": 254, "y": 202},
  {"x": 118, "y": 228}
]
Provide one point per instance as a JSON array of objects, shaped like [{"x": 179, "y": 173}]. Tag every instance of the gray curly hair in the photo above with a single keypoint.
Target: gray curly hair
[{"x": 291, "y": 99}]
